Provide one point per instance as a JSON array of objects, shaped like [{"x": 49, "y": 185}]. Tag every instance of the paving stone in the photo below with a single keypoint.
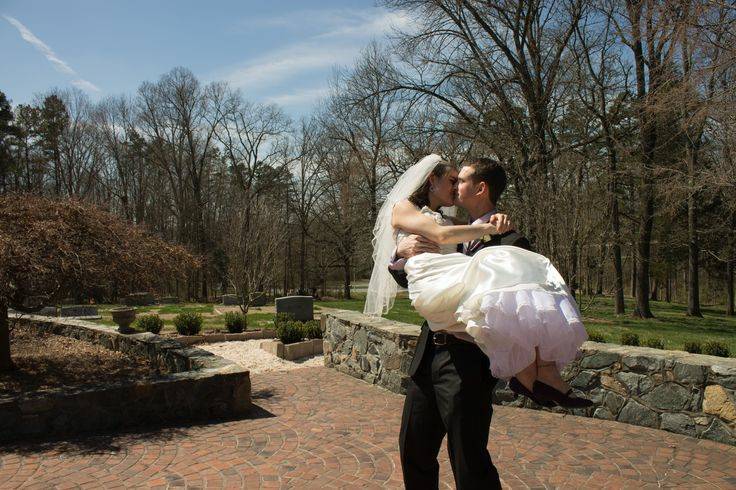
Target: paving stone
[{"x": 317, "y": 428}]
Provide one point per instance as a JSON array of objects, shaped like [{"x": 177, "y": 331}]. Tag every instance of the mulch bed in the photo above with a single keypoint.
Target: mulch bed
[{"x": 46, "y": 361}]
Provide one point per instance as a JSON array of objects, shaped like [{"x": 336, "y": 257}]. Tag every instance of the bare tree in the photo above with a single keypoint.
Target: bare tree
[
  {"x": 308, "y": 185},
  {"x": 254, "y": 242},
  {"x": 179, "y": 117},
  {"x": 602, "y": 87},
  {"x": 649, "y": 30},
  {"x": 362, "y": 114}
]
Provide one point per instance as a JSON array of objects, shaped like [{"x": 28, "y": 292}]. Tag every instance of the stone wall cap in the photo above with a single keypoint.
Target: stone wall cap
[
  {"x": 720, "y": 363},
  {"x": 377, "y": 323}
]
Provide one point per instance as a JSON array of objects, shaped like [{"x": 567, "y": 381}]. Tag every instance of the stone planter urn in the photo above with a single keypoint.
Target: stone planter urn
[{"x": 123, "y": 317}]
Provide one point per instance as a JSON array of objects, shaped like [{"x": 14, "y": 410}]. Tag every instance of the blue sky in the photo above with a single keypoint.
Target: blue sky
[{"x": 275, "y": 51}]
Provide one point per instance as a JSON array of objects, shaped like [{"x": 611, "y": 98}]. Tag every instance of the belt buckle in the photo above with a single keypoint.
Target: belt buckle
[{"x": 439, "y": 338}]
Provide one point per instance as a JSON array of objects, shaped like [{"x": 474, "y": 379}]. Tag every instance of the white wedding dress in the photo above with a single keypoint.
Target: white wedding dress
[{"x": 510, "y": 300}]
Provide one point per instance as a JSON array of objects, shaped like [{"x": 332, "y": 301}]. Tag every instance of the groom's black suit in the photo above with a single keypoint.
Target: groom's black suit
[{"x": 449, "y": 393}]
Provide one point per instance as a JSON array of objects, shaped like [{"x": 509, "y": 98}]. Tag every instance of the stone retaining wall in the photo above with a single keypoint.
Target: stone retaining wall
[
  {"x": 685, "y": 393},
  {"x": 376, "y": 350},
  {"x": 201, "y": 386}
]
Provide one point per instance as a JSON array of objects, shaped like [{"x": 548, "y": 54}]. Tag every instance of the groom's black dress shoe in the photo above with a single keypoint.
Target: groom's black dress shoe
[
  {"x": 518, "y": 388},
  {"x": 543, "y": 390}
]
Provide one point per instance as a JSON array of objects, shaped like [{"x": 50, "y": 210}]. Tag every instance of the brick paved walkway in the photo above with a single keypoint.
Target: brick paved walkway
[{"x": 317, "y": 428}]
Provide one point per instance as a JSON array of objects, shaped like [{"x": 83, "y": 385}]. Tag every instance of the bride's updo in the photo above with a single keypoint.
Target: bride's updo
[{"x": 420, "y": 197}]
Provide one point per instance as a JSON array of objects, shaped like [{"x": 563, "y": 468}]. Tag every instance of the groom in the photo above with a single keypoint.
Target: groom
[{"x": 451, "y": 384}]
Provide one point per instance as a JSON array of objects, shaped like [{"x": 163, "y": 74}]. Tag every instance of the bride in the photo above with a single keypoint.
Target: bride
[{"x": 512, "y": 302}]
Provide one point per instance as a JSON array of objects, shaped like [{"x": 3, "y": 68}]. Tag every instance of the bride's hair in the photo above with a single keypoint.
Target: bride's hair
[{"x": 420, "y": 197}]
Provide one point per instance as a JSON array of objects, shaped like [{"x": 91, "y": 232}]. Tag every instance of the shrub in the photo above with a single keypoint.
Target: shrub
[
  {"x": 188, "y": 323},
  {"x": 654, "y": 343},
  {"x": 290, "y": 332},
  {"x": 282, "y": 318},
  {"x": 312, "y": 330},
  {"x": 628, "y": 338},
  {"x": 596, "y": 337},
  {"x": 714, "y": 348},
  {"x": 235, "y": 322},
  {"x": 150, "y": 323},
  {"x": 692, "y": 347}
]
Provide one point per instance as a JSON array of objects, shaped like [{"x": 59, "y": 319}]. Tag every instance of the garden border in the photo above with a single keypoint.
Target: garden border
[{"x": 201, "y": 386}]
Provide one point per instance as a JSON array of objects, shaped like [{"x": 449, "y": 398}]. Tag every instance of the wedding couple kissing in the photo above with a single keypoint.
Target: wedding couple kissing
[{"x": 493, "y": 309}]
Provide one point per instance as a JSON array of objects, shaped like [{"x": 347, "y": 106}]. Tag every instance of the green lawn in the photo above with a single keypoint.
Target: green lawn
[
  {"x": 256, "y": 320},
  {"x": 671, "y": 325}
]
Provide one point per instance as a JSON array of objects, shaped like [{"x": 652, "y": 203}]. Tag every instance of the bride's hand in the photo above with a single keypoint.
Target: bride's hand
[
  {"x": 489, "y": 229},
  {"x": 501, "y": 222}
]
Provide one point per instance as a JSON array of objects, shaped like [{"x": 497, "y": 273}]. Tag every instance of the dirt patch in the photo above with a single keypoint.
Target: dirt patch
[{"x": 46, "y": 361}]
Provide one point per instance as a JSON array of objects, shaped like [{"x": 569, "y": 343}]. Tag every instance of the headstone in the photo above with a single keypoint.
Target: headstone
[
  {"x": 168, "y": 300},
  {"x": 230, "y": 299},
  {"x": 79, "y": 310},
  {"x": 301, "y": 308},
  {"x": 139, "y": 299},
  {"x": 259, "y": 299}
]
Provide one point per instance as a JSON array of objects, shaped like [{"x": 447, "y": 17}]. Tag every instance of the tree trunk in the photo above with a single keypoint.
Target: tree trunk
[
  {"x": 729, "y": 288},
  {"x": 655, "y": 290},
  {"x": 644, "y": 249},
  {"x": 618, "y": 269},
  {"x": 729, "y": 268},
  {"x": 646, "y": 83},
  {"x": 346, "y": 290},
  {"x": 633, "y": 271},
  {"x": 303, "y": 263},
  {"x": 599, "y": 272},
  {"x": 693, "y": 293},
  {"x": 668, "y": 286},
  {"x": 6, "y": 364}
]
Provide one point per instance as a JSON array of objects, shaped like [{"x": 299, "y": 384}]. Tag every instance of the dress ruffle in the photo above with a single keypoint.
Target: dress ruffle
[
  {"x": 508, "y": 325},
  {"x": 510, "y": 300}
]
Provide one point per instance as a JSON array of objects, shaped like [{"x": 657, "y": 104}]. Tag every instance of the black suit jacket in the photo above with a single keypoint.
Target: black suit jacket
[{"x": 508, "y": 238}]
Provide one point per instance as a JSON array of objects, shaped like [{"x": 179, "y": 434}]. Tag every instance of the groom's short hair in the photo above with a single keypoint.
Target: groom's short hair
[{"x": 491, "y": 172}]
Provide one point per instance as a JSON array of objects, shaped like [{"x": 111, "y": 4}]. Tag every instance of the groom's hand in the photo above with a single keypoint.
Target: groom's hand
[
  {"x": 415, "y": 245},
  {"x": 501, "y": 222}
]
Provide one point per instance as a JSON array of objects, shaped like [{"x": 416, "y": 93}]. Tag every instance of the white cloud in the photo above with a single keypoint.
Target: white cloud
[
  {"x": 287, "y": 63},
  {"x": 299, "y": 97},
  {"x": 59, "y": 64},
  {"x": 342, "y": 35},
  {"x": 371, "y": 25}
]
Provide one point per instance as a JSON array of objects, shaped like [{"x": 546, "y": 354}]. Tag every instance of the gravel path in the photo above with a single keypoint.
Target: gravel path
[{"x": 249, "y": 354}]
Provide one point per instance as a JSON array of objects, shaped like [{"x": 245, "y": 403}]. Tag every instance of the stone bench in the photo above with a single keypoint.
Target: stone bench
[{"x": 689, "y": 394}]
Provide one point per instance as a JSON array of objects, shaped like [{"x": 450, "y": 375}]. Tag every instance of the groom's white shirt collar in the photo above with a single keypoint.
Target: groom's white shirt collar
[{"x": 483, "y": 219}]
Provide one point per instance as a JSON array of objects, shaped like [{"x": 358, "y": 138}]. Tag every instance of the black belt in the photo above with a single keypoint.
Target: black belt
[{"x": 443, "y": 338}]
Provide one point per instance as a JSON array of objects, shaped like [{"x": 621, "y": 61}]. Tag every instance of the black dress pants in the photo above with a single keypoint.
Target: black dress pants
[{"x": 449, "y": 394}]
